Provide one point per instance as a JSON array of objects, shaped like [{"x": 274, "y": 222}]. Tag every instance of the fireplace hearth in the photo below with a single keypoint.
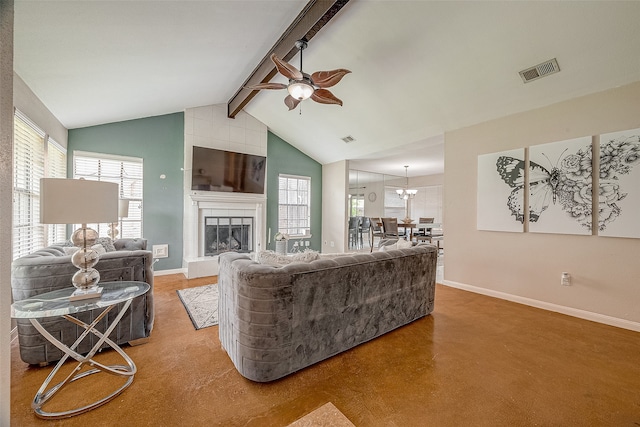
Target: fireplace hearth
[{"x": 224, "y": 234}]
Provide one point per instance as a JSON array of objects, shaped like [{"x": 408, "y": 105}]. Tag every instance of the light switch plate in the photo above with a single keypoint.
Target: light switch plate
[{"x": 160, "y": 251}]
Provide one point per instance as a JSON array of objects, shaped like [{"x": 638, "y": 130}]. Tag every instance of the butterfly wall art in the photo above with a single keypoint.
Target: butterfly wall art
[
  {"x": 500, "y": 206},
  {"x": 560, "y": 187},
  {"x": 619, "y": 184}
]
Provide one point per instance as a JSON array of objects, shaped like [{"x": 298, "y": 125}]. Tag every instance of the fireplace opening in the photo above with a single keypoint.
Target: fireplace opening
[{"x": 224, "y": 234}]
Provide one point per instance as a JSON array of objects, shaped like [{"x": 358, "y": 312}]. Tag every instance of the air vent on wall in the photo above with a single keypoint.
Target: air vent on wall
[
  {"x": 540, "y": 70},
  {"x": 347, "y": 139}
]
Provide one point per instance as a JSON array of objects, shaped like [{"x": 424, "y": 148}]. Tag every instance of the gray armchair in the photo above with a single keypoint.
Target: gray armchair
[{"x": 50, "y": 269}]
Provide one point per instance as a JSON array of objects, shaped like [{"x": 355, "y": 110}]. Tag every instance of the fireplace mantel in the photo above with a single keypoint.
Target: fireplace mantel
[
  {"x": 210, "y": 203},
  {"x": 217, "y": 196}
]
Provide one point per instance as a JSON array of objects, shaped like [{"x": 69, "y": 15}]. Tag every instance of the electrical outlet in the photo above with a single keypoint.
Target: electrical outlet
[
  {"x": 160, "y": 251},
  {"x": 565, "y": 279},
  {"x": 332, "y": 244}
]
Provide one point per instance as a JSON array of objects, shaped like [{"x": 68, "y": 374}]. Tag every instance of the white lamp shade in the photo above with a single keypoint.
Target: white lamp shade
[
  {"x": 123, "y": 208},
  {"x": 77, "y": 201}
]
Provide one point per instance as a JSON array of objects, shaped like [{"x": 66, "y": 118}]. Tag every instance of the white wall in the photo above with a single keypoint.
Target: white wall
[
  {"x": 335, "y": 187},
  {"x": 27, "y": 102},
  {"x": 526, "y": 267}
]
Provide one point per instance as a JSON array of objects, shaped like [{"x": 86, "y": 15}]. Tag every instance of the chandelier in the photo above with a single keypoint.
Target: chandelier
[{"x": 406, "y": 193}]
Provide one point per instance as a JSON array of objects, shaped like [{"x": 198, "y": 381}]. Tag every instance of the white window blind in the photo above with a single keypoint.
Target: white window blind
[
  {"x": 55, "y": 167},
  {"x": 294, "y": 205},
  {"x": 124, "y": 171},
  {"x": 394, "y": 206},
  {"x": 28, "y": 166}
]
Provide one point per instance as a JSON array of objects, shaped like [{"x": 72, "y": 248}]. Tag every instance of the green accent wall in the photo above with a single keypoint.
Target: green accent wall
[
  {"x": 159, "y": 141},
  {"x": 283, "y": 158}
]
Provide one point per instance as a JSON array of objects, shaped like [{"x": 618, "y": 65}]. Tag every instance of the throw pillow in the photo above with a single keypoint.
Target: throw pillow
[
  {"x": 402, "y": 244},
  {"x": 388, "y": 247},
  {"x": 107, "y": 243},
  {"x": 99, "y": 248},
  {"x": 70, "y": 250},
  {"x": 277, "y": 260}
]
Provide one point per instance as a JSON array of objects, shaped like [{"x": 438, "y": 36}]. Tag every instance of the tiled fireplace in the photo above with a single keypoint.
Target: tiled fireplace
[{"x": 209, "y": 126}]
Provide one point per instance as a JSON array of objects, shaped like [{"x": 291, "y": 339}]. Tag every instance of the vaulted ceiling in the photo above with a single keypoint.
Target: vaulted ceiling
[{"x": 419, "y": 68}]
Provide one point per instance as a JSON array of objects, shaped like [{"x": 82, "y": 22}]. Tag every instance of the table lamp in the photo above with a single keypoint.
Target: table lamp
[
  {"x": 79, "y": 201},
  {"x": 123, "y": 212}
]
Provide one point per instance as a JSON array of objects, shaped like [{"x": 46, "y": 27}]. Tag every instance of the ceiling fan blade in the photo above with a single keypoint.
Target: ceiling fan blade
[
  {"x": 291, "y": 102},
  {"x": 323, "y": 96},
  {"x": 268, "y": 86},
  {"x": 324, "y": 79},
  {"x": 286, "y": 69}
]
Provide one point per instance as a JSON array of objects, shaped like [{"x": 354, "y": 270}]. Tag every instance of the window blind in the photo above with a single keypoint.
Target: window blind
[
  {"x": 294, "y": 205},
  {"x": 55, "y": 167},
  {"x": 28, "y": 166},
  {"x": 127, "y": 172}
]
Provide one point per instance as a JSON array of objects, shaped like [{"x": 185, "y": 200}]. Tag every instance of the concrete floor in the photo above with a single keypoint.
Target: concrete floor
[{"x": 476, "y": 361}]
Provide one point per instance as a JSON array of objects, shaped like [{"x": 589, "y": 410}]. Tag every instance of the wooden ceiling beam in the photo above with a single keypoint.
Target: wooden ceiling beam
[{"x": 315, "y": 15}]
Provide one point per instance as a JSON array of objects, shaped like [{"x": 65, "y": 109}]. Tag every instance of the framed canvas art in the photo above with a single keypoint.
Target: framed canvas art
[
  {"x": 500, "y": 205},
  {"x": 560, "y": 186},
  {"x": 619, "y": 186}
]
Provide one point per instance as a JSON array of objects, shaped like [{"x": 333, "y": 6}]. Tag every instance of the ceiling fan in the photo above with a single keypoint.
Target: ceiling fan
[{"x": 302, "y": 85}]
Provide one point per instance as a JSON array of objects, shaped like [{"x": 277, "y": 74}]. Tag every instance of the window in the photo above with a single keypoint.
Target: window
[
  {"x": 35, "y": 156},
  {"x": 124, "y": 171},
  {"x": 294, "y": 205},
  {"x": 394, "y": 206},
  {"x": 356, "y": 204},
  {"x": 56, "y": 167},
  {"x": 428, "y": 203}
]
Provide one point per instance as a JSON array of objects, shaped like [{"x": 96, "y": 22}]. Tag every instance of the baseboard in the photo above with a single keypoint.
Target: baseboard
[
  {"x": 575, "y": 312},
  {"x": 14, "y": 334},
  {"x": 167, "y": 272}
]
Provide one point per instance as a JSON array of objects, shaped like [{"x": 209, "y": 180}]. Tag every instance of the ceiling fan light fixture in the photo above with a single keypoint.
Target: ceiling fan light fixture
[{"x": 300, "y": 89}]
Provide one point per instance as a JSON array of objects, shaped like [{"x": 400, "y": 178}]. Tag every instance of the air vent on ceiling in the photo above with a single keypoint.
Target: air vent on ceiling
[
  {"x": 347, "y": 139},
  {"x": 540, "y": 70}
]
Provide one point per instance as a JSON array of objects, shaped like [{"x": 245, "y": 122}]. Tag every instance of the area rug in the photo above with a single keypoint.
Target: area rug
[
  {"x": 325, "y": 416},
  {"x": 201, "y": 304}
]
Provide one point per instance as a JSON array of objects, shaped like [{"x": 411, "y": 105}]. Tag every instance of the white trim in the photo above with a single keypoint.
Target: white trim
[
  {"x": 168, "y": 272},
  {"x": 570, "y": 311}
]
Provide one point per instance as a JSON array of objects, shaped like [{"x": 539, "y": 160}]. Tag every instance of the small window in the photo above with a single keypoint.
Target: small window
[
  {"x": 294, "y": 205},
  {"x": 124, "y": 171}
]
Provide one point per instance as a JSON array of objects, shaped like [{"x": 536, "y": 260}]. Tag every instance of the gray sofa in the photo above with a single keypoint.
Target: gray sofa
[
  {"x": 50, "y": 269},
  {"x": 277, "y": 320}
]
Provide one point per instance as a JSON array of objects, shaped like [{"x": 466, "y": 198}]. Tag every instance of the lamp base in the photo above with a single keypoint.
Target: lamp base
[{"x": 82, "y": 294}]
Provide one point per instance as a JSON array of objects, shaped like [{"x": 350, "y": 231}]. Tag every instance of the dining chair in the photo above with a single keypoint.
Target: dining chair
[
  {"x": 423, "y": 234},
  {"x": 365, "y": 225},
  {"x": 375, "y": 230},
  {"x": 390, "y": 226},
  {"x": 354, "y": 225}
]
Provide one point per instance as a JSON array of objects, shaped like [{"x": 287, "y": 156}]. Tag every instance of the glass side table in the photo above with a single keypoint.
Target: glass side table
[{"x": 57, "y": 303}]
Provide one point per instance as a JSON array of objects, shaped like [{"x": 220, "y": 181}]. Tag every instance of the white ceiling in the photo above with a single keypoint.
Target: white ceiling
[{"x": 419, "y": 68}]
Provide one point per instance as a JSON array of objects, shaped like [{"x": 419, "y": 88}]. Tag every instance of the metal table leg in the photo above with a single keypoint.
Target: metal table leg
[{"x": 128, "y": 371}]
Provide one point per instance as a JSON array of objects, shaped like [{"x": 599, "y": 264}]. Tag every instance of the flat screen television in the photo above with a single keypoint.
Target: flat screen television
[{"x": 219, "y": 170}]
